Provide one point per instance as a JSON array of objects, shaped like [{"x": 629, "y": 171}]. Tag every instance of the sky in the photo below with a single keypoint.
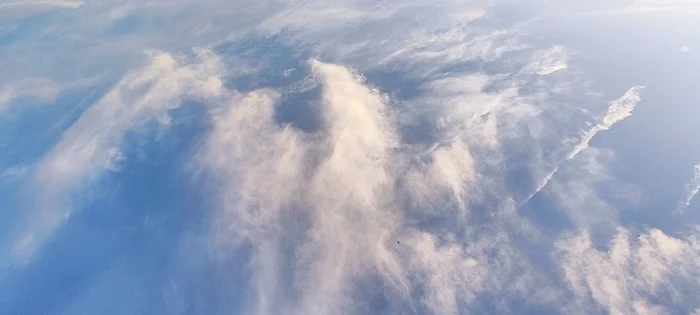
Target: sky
[{"x": 349, "y": 157}]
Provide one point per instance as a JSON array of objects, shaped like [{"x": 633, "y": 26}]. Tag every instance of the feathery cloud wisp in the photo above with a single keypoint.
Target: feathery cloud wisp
[
  {"x": 634, "y": 276},
  {"x": 22, "y": 8},
  {"x": 641, "y": 7},
  {"x": 551, "y": 61},
  {"x": 42, "y": 3},
  {"x": 41, "y": 90},
  {"x": 324, "y": 211},
  {"x": 91, "y": 146},
  {"x": 692, "y": 188},
  {"x": 619, "y": 109},
  {"x": 338, "y": 180}
]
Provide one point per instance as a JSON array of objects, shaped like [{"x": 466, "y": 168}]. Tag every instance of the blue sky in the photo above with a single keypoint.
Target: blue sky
[{"x": 245, "y": 157}]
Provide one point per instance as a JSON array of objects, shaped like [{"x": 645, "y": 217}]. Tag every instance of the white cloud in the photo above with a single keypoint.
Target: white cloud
[
  {"x": 576, "y": 190},
  {"x": 692, "y": 188},
  {"x": 619, "y": 109},
  {"x": 91, "y": 146},
  {"x": 639, "y": 276},
  {"x": 550, "y": 62},
  {"x": 684, "y": 49},
  {"x": 641, "y": 7},
  {"x": 38, "y": 90},
  {"x": 322, "y": 211},
  {"x": 14, "y": 173},
  {"x": 340, "y": 181},
  {"x": 42, "y": 3},
  {"x": 337, "y": 180},
  {"x": 455, "y": 275},
  {"x": 451, "y": 274},
  {"x": 22, "y": 8}
]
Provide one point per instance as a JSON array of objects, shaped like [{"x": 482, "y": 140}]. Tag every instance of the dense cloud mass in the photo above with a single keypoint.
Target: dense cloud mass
[{"x": 355, "y": 157}]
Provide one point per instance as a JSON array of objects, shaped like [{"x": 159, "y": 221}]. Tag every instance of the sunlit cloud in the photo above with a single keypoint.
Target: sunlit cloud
[
  {"x": 640, "y": 275},
  {"x": 91, "y": 146},
  {"x": 429, "y": 119}
]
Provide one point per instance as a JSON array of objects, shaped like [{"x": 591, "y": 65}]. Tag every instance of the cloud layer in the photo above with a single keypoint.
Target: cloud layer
[
  {"x": 91, "y": 146},
  {"x": 361, "y": 157}
]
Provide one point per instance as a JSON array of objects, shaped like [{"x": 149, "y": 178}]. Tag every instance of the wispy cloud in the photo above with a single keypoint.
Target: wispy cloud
[
  {"x": 643, "y": 275},
  {"x": 338, "y": 180},
  {"x": 326, "y": 208},
  {"x": 692, "y": 188},
  {"x": 322, "y": 212},
  {"x": 42, "y": 3},
  {"x": 641, "y": 7},
  {"x": 22, "y": 8},
  {"x": 91, "y": 146},
  {"x": 39, "y": 90},
  {"x": 577, "y": 186},
  {"x": 619, "y": 109},
  {"x": 550, "y": 61}
]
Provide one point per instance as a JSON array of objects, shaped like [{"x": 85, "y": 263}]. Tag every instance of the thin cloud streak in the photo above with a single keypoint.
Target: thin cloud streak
[
  {"x": 619, "y": 109},
  {"x": 648, "y": 7},
  {"x": 692, "y": 188},
  {"x": 44, "y": 3},
  {"x": 40, "y": 90}
]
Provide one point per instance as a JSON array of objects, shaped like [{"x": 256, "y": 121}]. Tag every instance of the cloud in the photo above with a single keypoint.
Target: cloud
[
  {"x": 454, "y": 276},
  {"x": 91, "y": 146},
  {"x": 692, "y": 188},
  {"x": 316, "y": 215},
  {"x": 323, "y": 210},
  {"x": 684, "y": 49},
  {"x": 578, "y": 186},
  {"x": 645, "y": 275},
  {"x": 551, "y": 61},
  {"x": 640, "y": 7},
  {"x": 42, "y": 3},
  {"x": 14, "y": 173},
  {"x": 619, "y": 109},
  {"x": 39, "y": 90},
  {"x": 337, "y": 181},
  {"x": 18, "y": 9}
]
